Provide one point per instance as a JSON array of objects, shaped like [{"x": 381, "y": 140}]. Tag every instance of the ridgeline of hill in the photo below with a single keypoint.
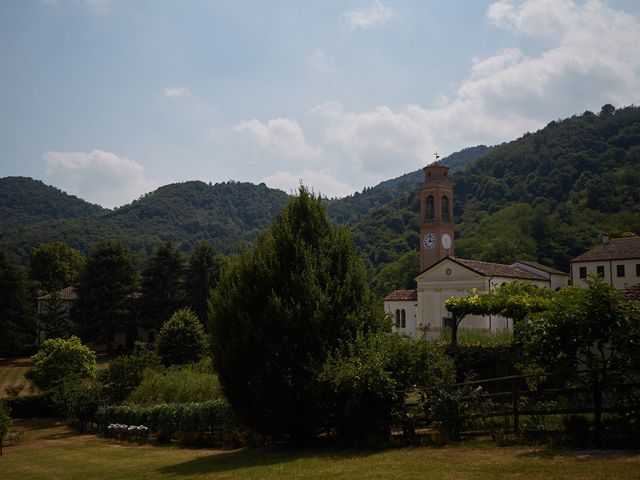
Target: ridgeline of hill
[{"x": 546, "y": 196}]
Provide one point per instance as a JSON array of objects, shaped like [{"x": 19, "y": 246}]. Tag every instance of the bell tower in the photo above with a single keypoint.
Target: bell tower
[{"x": 436, "y": 215}]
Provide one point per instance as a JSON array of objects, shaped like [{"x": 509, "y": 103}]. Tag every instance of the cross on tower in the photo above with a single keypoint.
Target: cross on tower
[{"x": 437, "y": 155}]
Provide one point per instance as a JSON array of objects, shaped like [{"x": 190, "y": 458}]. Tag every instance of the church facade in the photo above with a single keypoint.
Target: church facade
[{"x": 421, "y": 313}]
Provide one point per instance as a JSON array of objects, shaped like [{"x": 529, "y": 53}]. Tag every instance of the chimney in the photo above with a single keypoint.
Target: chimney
[{"x": 605, "y": 239}]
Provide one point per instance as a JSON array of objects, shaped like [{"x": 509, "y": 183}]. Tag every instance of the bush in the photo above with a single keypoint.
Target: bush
[
  {"x": 365, "y": 388},
  {"x": 209, "y": 422},
  {"x": 5, "y": 423},
  {"x": 179, "y": 383},
  {"x": 58, "y": 360},
  {"x": 31, "y": 406},
  {"x": 125, "y": 373},
  {"x": 181, "y": 339},
  {"x": 77, "y": 402}
]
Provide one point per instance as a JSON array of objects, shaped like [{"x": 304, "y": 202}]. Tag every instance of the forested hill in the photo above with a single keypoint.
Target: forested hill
[
  {"x": 546, "y": 196},
  {"x": 229, "y": 214},
  {"x": 25, "y": 200},
  {"x": 349, "y": 210}
]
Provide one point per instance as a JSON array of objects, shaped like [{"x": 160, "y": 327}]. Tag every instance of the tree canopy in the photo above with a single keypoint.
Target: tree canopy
[{"x": 280, "y": 308}]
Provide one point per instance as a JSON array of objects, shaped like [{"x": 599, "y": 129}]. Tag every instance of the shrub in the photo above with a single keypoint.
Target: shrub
[
  {"x": 179, "y": 383},
  {"x": 125, "y": 373},
  {"x": 181, "y": 339},
  {"x": 31, "y": 406},
  {"x": 58, "y": 360},
  {"x": 212, "y": 422},
  {"x": 5, "y": 423},
  {"x": 365, "y": 388},
  {"x": 77, "y": 402}
]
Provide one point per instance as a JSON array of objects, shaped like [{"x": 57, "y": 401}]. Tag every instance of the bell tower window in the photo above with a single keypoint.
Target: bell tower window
[
  {"x": 430, "y": 214},
  {"x": 445, "y": 208}
]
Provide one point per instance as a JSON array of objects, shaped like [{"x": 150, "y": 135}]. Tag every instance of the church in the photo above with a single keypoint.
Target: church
[{"x": 421, "y": 313}]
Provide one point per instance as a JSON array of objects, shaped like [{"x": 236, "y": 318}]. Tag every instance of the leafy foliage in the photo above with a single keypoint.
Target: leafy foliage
[
  {"x": 181, "y": 339},
  {"x": 278, "y": 311},
  {"x": 59, "y": 360},
  {"x": 105, "y": 292},
  {"x": 16, "y": 309},
  {"x": 205, "y": 267},
  {"x": 162, "y": 285},
  {"x": 187, "y": 419},
  {"x": 125, "y": 373},
  {"x": 55, "y": 265},
  {"x": 177, "y": 384},
  {"x": 365, "y": 387}
]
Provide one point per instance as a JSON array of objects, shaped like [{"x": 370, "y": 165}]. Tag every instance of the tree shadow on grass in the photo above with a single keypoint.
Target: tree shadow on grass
[
  {"x": 581, "y": 454},
  {"x": 259, "y": 457}
]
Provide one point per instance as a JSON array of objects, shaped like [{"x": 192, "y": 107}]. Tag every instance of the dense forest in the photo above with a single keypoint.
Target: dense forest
[{"x": 546, "y": 196}]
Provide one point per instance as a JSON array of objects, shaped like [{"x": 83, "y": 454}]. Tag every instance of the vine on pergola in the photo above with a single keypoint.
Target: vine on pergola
[{"x": 514, "y": 300}]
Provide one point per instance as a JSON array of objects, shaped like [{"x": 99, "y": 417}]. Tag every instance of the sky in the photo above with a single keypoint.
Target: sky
[{"x": 110, "y": 99}]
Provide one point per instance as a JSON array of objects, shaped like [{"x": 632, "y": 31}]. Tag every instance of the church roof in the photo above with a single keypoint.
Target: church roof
[
  {"x": 402, "y": 295},
  {"x": 632, "y": 292},
  {"x": 68, "y": 293},
  {"x": 541, "y": 267},
  {"x": 616, "y": 249},
  {"x": 496, "y": 269}
]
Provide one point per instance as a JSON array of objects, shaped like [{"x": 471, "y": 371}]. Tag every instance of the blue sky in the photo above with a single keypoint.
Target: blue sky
[{"x": 109, "y": 99}]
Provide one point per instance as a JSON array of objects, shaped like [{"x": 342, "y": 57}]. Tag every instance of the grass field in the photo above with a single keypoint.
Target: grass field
[
  {"x": 52, "y": 451},
  {"x": 12, "y": 372}
]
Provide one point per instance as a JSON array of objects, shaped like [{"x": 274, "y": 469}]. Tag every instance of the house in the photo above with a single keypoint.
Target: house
[
  {"x": 421, "y": 313},
  {"x": 616, "y": 260},
  {"x": 67, "y": 297}
]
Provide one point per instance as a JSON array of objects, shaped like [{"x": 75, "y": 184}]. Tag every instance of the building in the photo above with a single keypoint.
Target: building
[
  {"x": 421, "y": 313},
  {"x": 68, "y": 296},
  {"x": 616, "y": 260}
]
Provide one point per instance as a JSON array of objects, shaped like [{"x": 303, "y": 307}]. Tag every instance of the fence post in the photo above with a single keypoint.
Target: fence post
[{"x": 514, "y": 401}]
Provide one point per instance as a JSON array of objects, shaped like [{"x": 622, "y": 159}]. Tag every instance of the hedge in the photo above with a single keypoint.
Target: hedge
[
  {"x": 31, "y": 406},
  {"x": 209, "y": 422}
]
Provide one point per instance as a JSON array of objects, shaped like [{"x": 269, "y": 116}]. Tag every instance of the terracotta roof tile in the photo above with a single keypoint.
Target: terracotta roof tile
[
  {"x": 632, "y": 292},
  {"x": 616, "y": 249},
  {"x": 541, "y": 267},
  {"x": 402, "y": 295},
  {"x": 497, "y": 269},
  {"x": 69, "y": 293}
]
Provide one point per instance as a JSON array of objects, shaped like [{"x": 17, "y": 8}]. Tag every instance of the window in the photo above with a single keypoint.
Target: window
[
  {"x": 430, "y": 208},
  {"x": 398, "y": 318},
  {"x": 637, "y": 269},
  {"x": 620, "y": 270},
  {"x": 600, "y": 270},
  {"x": 403, "y": 323},
  {"x": 445, "y": 208},
  {"x": 583, "y": 272}
]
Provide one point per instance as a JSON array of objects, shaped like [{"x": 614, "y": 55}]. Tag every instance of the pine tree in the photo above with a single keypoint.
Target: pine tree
[
  {"x": 162, "y": 285},
  {"x": 105, "y": 292},
  {"x": 16, "y": 311},
  {"x": 280, "y": 309},
  {"x": 205, "y": 265}
]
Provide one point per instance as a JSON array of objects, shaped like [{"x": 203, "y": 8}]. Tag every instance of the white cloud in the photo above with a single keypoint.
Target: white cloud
[
  {"x": 282, "y": 136},
  {"x": 591, "y": 59},
  {"x": 99, "y": 177},
  {"x": 320, "y": 181},
  {"x": 177, "y": 92},
  {"x": 380, "y": 142},
  {"x": 373, "y": 16}
]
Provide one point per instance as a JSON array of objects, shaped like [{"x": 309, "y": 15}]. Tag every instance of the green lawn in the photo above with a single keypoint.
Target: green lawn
[
  {"x": 52, "y": 451},
  {"x": 12, "y": 372}
]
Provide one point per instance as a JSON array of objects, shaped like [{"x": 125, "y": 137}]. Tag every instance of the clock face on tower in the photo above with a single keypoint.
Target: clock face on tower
[
  {"x": 446, "y": 241},
  {"x": 429, "y": 240}
]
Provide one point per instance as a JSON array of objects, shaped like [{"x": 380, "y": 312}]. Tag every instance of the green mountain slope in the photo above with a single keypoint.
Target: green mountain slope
[
  {"x": 229, "y": 214},
  {"x": 25, "y": 200},
  {"x": 546, "y": 196}
]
